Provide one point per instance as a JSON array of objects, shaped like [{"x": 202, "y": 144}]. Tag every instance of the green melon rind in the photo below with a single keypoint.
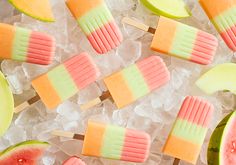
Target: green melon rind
[
  {"x": 214, "y": 147},
  {"x": 35, "y": 17},
  {"x": 27, "y": 144},
  {"x": 161, "y": 12},
  {"x": 7, "y": 105}
]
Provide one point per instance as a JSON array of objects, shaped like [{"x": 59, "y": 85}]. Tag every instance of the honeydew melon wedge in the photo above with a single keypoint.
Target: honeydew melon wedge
[
  {"x": 222, "y": 77},
  {"x": 168, "y": 8},
  {"x": 38, "y": 9},
  {"x": 6, "y": 105},
  {"x": 25, "y": 153},
  {"x": 222, "y": 146}
]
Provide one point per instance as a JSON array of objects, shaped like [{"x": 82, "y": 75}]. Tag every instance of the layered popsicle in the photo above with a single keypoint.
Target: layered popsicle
[
  {"x": 96, "y": 21},
  {"x": 222, "y": 14},
  {"x": 112, "y": 142},
  {"x": 183, "y": 41},
  {"x": 137, "y": 80},
  {"x": 189, "y": 130},
  {"x": 65, "y": 80},
  {"x": 180, "y": 40},
  {"x": 22, "y": 44}
]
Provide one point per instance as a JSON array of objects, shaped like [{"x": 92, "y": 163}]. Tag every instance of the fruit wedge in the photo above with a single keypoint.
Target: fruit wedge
[
  {"x": 221, "y": 77},
  {"x": 6, "y": 105},
  {"x": 222, "y": 146},
  {"x": 168, "y": 8},
  {"x": 25, "y": 153},
  {"x": 38, "y": 9}
]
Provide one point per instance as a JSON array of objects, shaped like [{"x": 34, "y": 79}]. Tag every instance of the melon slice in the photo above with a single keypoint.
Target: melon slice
[
  {"x": 168, "y": 8},
  {"x": 222, "y": 146},
  {"x": 25, "y": 153},
  {"x": 222, "y": 77},
  {"x": 6, "y": 105},
  {"x": 38, "y": 9}
]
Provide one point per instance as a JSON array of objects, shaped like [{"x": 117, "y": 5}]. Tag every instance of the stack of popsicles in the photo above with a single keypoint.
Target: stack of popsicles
[
  {"x": 96, "y": 21},
  {"x": 113, "y": 142},
  {"x": 22, "y": 44}
]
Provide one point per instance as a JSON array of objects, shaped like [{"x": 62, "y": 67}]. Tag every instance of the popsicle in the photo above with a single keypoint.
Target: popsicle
[
  {"x": 73, "y": 161},
  {"x": 222, "y": 15},
  {"x": 64, "y": 81},
  {"x": 189, "y": 130},
  {"x": 134, "y": 82},
  {"x": 25, "y": 45},
  {"x": 112, "y": 142},
  {"x": 97, "y": 23},
  {"x": 180, "y": 40}
]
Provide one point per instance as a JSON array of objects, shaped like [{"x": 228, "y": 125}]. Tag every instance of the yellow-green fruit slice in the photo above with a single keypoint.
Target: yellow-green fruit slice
[
  {"x": 222, "y": 77},
  {"x": 6, "y": 105},
  {"x": 168, "y": 8},
  {"x": 38, "y": 9}
]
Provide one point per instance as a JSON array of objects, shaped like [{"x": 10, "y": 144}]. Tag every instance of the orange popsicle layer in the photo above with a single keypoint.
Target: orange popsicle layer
[
  {"x": 79, "y": 8},
  {"x": 7, "y": 34},
  {"x": 182, "y": 149},
  {"x": 46, "y": 91},
  {"x": 216, "y": 7}
]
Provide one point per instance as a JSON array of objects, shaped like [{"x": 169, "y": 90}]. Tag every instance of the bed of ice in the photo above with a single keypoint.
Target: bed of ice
[{"x": 154, "y": 114}]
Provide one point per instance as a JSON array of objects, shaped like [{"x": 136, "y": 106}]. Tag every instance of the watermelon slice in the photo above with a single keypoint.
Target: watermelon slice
[
  {"x": 6, "y": 105},
  {"x": 25, "y": 153},
  {"x": 168, "y": 8},
  {"x": 38, "y": 9},
  {"x": 222, "y": 146}
]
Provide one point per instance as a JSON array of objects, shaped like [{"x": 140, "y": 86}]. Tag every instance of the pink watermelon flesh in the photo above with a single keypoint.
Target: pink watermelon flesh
[
  {"x": 229, "y": 144},
  {"x": 26, "y": 153}
]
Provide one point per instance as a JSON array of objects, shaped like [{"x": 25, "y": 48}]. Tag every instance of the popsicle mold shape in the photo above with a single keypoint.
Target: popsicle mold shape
[
  {"x": 184, "y": 41},
  {"x": 137, "y": 80},
  {"x": 189, "y": 130},
  {"x": 97, "y": 22},
  {"x": 222, "y": 15},
  {"x": 24, "y": 45},
  {"x": 65, "y": 80}
]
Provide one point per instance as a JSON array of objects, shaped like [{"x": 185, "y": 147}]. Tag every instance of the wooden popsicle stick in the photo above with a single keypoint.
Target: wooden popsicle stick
[
  {"x": 138, "y": 25},
  {"x": 176, "y": 161},
  {"x": 67, "y": 135},
  {"x": 105, "y": 95},
  {"x": 27, "y": 103}
]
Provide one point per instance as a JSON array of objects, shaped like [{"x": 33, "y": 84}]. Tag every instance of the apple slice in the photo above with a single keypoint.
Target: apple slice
[
  {"x": 6, "y": 105},
  {"x": 38, "y": 9},
  {"x": 221, "y": 77},
  {"x": 168, "y": 8}
]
